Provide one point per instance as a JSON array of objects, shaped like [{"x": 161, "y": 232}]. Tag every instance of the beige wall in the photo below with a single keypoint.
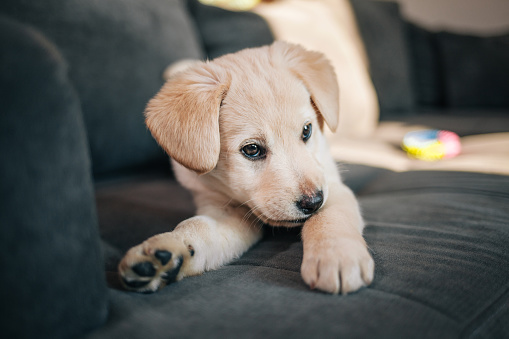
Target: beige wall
[{"x": 468, "y": 16}]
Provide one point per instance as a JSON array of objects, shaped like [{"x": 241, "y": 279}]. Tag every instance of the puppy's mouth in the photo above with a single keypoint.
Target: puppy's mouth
[{"x": 284, "y": 223}]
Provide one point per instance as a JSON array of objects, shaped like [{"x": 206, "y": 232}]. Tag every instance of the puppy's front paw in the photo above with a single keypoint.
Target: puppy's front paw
[
  {"x": 337, "y": 266},
  {"x": 155, "y": 263}
]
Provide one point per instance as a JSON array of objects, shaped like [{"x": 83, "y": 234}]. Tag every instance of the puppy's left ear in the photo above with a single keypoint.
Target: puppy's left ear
[{"x": 318, "y": 76}]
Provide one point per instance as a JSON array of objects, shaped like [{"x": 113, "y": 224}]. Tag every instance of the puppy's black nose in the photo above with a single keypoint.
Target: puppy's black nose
[{"x": 309, "y": 204}]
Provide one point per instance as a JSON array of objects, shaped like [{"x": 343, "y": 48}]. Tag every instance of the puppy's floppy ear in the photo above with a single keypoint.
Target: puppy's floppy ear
[
  {"x": 318, "y": 76},
  {"x": 184, "y": 117}
]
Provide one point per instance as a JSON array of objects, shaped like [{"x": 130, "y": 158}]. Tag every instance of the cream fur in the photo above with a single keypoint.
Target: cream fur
[{"x": 203, "y": 116}]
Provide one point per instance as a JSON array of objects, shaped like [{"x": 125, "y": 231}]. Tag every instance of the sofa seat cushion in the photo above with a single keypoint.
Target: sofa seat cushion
[
  {"x": 134, "y": 208},
  {"x": 440, "y": 241}
]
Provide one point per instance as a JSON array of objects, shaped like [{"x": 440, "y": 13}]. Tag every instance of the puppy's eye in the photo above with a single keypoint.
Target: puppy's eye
[
  {"x": 253, "y": 151},
  {"x": 306, "y": 132}
]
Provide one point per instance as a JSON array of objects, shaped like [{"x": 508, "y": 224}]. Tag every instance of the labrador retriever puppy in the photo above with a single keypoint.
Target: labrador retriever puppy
[{"x": 246, "y": 136}]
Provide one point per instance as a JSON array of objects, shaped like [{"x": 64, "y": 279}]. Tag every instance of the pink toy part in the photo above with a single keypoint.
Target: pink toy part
[{"x": 451, "y": 143}]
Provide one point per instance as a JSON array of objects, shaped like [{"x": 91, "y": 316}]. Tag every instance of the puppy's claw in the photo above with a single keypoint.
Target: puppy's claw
[
  {"x": 368, "y": 270},
  {"x": 191, "y": 250}
]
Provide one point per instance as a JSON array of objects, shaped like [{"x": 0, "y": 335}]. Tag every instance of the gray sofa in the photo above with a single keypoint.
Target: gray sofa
[{"x": 81, "y": 181}]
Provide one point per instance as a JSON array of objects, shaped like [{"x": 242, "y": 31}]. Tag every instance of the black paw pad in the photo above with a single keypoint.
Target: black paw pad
[
  {"x": 171, "y": 275},
  {"x": 144, "y": 269},
  {"x": 163, "y": 256},
  {"x": 134, "y": 283}
]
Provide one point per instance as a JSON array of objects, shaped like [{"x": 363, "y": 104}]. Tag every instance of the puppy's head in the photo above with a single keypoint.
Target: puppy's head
[{"x": 253, "y": 123}]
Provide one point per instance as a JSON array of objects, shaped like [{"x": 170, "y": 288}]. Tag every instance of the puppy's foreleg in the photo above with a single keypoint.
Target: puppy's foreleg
[
  {"x": 336, "y": 258},
  {"x": 198, "y": 244}
]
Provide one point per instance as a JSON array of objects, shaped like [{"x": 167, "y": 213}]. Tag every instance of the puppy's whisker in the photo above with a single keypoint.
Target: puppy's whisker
[
  {"x": 227, "y": 203},
  {"x": 253, "y": 211},
  {"x": 245, "y": 203}
]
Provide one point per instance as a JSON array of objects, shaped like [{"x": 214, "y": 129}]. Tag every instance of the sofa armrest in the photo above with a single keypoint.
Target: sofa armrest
[{"x": 52, "y": 282}]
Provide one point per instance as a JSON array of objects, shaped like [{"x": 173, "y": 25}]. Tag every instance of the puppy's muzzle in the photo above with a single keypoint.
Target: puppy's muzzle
[{"x": 309, "y": 204}]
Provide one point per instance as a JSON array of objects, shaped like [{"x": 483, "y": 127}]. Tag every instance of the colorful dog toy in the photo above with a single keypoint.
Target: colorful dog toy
[{"x": 431, "y": 144}]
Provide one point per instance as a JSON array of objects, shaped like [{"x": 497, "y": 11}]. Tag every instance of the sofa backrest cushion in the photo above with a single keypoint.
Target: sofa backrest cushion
[
  {"x": 225, "y": 31},
  {"x": 384, "y": 33},
  {"x": 117, "y": 51},
  {"x": 475, "y": 69},
  {"x": 459, "y": 71}
]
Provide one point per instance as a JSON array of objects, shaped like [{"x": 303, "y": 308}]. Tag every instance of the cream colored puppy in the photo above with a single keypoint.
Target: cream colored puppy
[{"x": 245, "y": 133}]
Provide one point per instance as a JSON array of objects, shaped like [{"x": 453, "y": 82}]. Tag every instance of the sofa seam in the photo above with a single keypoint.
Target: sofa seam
[
  {"x": 426, "y": 305},
  {"x": 471, "y": 326},
  {"x": 440, "y": 190},
  {"x": 262, "y": 266}
]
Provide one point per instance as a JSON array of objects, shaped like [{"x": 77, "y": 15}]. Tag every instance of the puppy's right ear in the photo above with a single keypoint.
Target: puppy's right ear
[
  {"x": 317, "y": 74},
  {"x": 184, "y": 117}
]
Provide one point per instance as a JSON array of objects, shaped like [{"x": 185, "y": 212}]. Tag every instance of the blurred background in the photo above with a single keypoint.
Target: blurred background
[{"x": 467, "y": 16}]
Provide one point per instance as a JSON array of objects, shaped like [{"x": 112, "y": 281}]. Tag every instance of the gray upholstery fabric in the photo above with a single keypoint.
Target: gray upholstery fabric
[
  {"x": 358, "y": 176},
  {"x": 461, "y": 121},
  {"x": 135, "y": 208},
  {"x": 52, "y": 283},
  {"x": 384, "y": 34},
  {"x": 475, "y": 70},
  {"x": 459, "y": 71},
  {"x": 228, "y": 32},
  {"x": 118, "y": 50},
  {"x": 428, "y": 85},
  {"x": 439, "y": 240},
  {"x": 411, "y": 66}
]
